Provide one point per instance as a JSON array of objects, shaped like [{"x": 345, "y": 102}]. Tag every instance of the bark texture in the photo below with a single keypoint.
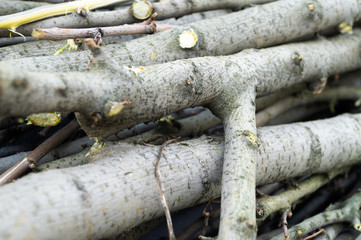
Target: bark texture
[
  {"x": 165, "y": 9},
  {"x": 47, "y": 48},
  {"x": 113, "y": 194},
  {"x": 259, "y": 26},
  {"x": 165, "y": 88},
  {"x": 10, "y": 6},
  {"x": 237, "y": 108}
]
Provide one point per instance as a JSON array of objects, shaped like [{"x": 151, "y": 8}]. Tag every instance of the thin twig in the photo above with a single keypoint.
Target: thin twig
[
  {"x": 206, "y": 215},
  {"x": 30, "y": 160},
  {"x": 145, "y": 27},
  {"x": 314, "y": 235},
  {"x": 161, "y": 190},
  {"x": 284, "y": 222}
]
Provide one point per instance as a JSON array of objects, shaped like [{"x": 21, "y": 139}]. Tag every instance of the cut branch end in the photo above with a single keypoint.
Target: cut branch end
[{"x": 142, "y": 9}]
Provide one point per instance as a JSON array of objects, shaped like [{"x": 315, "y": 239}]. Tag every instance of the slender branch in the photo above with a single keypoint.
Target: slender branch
[
  {"x": 348, "y": 211},
  {"x": 46, "y": 48},
  {"x": 30, "y": 160},
  {"x": 314, "y": 234},
  {"x": 331, "y": 232},
  {"x": 287, "y": 213},
  {"x": 271, "y": 204},
  {"x": 163, "y": 200},
  {"x": 66, "y": 33}
]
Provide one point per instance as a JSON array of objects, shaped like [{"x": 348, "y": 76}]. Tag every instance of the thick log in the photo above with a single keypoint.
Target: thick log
[{"x": 117, "y": 190}]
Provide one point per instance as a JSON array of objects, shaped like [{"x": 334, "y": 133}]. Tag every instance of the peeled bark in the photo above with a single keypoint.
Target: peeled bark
[{"x": 113, "y": 194}]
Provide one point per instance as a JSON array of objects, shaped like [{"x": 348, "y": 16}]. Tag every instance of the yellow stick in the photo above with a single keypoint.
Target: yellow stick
[{"x": 13, "y": 21}]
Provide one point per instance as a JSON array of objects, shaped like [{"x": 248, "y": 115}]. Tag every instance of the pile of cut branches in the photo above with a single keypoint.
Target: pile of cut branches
[{"x": 116, "y": 115}]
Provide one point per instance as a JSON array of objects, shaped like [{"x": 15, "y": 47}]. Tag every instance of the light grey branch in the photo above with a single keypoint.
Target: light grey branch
[
  {"x": 347, "y": 212},
  {"x": 165, "y": 9},
  {"x": 331, "y": 232},
  {"x": 11, "y": 6},
  {"x": 270, "y": 204},
  {"x": 160, "y": 89},
  {"x": 236, "y": 106},
  {"x": 113, "y": 194},
  {"x": 259, "y": 27},
  {"x": 46, "y": 48}
]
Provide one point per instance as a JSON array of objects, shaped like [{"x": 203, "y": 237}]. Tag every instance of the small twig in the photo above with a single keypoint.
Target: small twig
[
  {"x": 145, "y": 27},
  {"x": 30, "y": 160},
  {"x": 314, "y": 235},
  {"x": 161, "y": 190},
  {"x": 206, "y": 215},
  {"x": 149, "y": 20},
  {"x": 284, "y": 223}
]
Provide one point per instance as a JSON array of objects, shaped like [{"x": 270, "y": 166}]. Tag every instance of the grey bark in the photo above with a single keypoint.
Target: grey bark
[
  {"x": 160, "y": 89},
  {"x": 347, "y": 212},
  {"x": 66, "y": 162},
  {"x": 113, "y": 194},
  {"x": 10, "y": 6},
  {"x": 331, "y": 232},
  {"x": 47, "y": 48},
  {"x": 268, "y": 205},
  {"x": 237, "y": 108},
  {"x": 165, "y": 9},
  {"x": 259, "y": 27},
  {"x": 62, "y": 151}
]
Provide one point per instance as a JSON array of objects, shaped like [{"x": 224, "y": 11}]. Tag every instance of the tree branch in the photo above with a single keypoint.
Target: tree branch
[
  {"x": 170, "y": 9},
  {"x": 237, "y": 109},
  {"x": 271, "y": 204},
  {"x": 177, "y": 81},
  {"x": 66, "y": 33},
  {"x": 112, "y": 187},
  {"x": 257, "y": 24},
  {"x": 348, "y": 212},
  {"x": 31, "y": 159},
  {"x": 331, "y": 232}
]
